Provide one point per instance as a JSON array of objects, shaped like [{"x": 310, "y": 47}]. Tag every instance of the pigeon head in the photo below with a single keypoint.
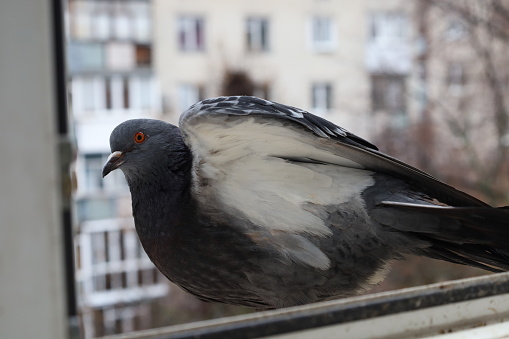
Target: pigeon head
[{"x": 139, "y": 146}]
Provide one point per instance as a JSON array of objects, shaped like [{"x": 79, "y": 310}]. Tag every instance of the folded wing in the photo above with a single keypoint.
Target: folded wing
[{"x": 287, "y": 132}]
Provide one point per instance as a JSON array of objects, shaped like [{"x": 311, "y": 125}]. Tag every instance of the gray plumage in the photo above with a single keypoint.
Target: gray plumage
[{"x": 256, "y": 203}]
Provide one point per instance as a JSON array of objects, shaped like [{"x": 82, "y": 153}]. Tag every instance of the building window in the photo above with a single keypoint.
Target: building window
[
  {"x": 387, "y": 26},
  {"x": 191, "y": 33},
  {"x": 120, "y": 56},
  {"x": 122, "y": 23},
  {"x": 455, "y": 77},
  {"x": 321, "y": 98},
  {"x": 388, "y": 93},
  {"x": 101, "y": 21},
  {"x": 257, "y": 30},
  {"x": 93, "y": 169},
  {"x": 141, "y": 20},
  {"x": 456, "y": 29},
  {"x": 388, "y": 49},
  {"x": 145, "y": 92},
  {"x": 81, "y": 19},
  {"x": 104, "y": 20},
  {"x": 143, "y": 55},
  {"x": 188, "y": 94},
  {"x": 323, "y": 35},
  {"x": 115, "y": 92},
  {"x": 114, "y": 89},
  {"x": 114, "y": 275},
  {"x": 88, "y": 94},
  {"x": 93, "y": 180}
]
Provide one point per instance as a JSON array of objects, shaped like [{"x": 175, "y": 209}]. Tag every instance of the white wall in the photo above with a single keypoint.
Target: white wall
[{"x": 32, "y": 291}]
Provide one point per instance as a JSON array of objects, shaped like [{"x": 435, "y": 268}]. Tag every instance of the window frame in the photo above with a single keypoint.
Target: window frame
[
  {"x": 257, "y": 33},
  {"x": 322, "y": 97},
  {"x": 381, "y": 97},
  {"x": 322, "y": 34},
  {"x": 194, "y": 93},
  {"x": 190, "y": 33}
]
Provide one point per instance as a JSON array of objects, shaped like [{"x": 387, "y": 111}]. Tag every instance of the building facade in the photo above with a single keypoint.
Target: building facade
[
  {"x": 338, "y": 59},
  {"x": 111, "y": 79}
]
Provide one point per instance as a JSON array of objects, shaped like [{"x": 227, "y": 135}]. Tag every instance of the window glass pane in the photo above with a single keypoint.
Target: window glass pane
[
  {"x": 141, "y": 21},
  {"x": 191, "y": 33},
  {"x": 145, "y": 92},
  {"x": 93, "y": 170},
  {"x": 85, "y": 56},
  {"x": 256, "y": 33},
  {"x": 388, "y": 93},
  {"x": 101, "y": 21},
  {"x": 122, "y": 22},
  {"x": 321, "y": 98},
  {"x": 120, "y": 56},
  {"x": 88, "y": 93},
  {"x": 143, "y": 55},
  {"x": 188, "y": 95},
  {"x": 388, "y": 26},
  {"x": 322, "y": 34}
]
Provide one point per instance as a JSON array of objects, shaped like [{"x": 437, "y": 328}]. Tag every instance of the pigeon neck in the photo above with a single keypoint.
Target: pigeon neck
[{"x": 160, "y": 201}]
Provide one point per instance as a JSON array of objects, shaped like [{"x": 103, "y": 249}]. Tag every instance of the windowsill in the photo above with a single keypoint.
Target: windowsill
[
  {"x": 197, "y": 51},
  {"x": 257, "y": 51},
  {"x": 442, "y": 308},
  {"x": 323, "y": 51}
]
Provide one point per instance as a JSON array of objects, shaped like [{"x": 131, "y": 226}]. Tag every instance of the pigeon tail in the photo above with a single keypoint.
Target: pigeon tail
[{"x": 473, "y": 236}]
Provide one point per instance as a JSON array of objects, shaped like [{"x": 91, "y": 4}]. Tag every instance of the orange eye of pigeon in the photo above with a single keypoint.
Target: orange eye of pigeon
[{"x": 139, "y": 137}]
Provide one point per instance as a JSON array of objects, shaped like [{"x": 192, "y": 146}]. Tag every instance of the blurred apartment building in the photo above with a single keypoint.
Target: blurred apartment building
[
  {"x": 338, "y": 59},
  {"x": 111, "y": 79},
  {"x": 386, "y": 70}
]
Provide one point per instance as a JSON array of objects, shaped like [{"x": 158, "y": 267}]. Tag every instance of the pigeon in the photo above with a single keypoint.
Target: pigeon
[{"x": 255, "y": 203}]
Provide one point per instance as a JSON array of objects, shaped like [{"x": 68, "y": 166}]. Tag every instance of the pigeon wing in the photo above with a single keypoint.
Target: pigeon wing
[{"x": 299, "y": 136}]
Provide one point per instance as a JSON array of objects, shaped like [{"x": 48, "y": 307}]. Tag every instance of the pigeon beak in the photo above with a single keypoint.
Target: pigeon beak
[{"x": 115, "y": 159}]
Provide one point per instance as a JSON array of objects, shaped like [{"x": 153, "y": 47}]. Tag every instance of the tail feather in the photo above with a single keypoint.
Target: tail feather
[
  {"x": 471, "y": 255},
  {"x": 473, "y": 236}
]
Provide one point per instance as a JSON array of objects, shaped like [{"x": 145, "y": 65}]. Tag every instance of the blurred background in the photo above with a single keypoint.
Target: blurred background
[{"x": 425, "y": 80}]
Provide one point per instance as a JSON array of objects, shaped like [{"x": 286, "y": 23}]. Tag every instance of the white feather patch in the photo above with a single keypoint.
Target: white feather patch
[{"x": 237, "y": 162}]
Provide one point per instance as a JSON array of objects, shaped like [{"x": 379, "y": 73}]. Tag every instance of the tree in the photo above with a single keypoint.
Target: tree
[
  {"x": 468, "y": 48},
  {"x": 461, "y": 76}
]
